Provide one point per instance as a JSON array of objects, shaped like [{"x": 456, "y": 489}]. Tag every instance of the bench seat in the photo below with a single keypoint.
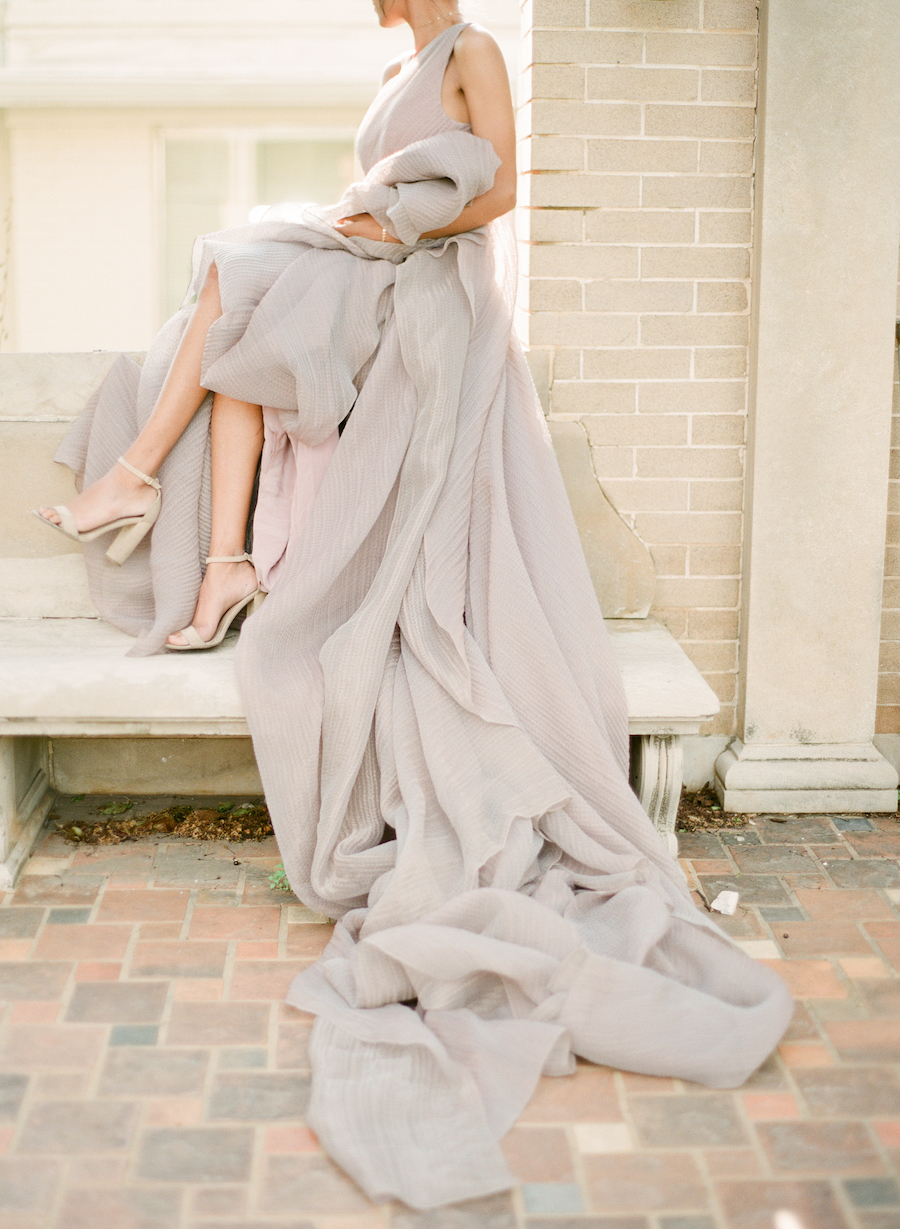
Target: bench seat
[{"x": 70, "y": 678}]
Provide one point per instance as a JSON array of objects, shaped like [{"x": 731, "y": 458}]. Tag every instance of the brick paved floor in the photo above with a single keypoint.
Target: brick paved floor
[{"x": 151, "y": 1078}]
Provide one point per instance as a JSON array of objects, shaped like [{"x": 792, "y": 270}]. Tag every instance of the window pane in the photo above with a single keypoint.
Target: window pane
[
  {"x": 315, "y": 171},
  {"x": 196, "y": 192}
]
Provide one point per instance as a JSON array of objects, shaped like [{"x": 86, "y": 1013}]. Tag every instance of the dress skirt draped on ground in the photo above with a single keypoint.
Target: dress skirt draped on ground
[{"x": 435, "y": 711}]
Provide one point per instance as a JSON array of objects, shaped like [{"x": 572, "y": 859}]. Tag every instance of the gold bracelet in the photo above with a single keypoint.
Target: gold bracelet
[{"x": 384, "y": 238}]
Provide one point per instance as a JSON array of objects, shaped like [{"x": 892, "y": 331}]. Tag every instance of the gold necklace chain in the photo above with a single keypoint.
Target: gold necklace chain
[{"x": 443, "y": 17}]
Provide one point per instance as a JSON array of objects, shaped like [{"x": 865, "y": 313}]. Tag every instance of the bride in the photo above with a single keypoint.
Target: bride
[{"x": 437, "y": 718}]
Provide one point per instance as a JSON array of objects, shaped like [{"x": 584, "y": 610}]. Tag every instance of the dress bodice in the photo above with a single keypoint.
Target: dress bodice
[{"x": 408, "y": 108}]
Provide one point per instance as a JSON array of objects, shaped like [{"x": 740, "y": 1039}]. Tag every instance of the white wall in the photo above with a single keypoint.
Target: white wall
[{"x": 84, "y": 234}]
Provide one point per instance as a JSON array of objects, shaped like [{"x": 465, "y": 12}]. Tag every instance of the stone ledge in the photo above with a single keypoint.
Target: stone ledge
[{"x": 71, "y": 677}]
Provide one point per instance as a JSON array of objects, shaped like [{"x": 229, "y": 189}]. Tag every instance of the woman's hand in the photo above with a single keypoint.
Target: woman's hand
[{"x": 364, "y": 226}]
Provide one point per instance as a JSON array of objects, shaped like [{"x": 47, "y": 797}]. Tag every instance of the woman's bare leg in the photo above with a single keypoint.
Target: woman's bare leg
[
  {"x": 236, "y": 436},
  {"x": 120, "y": 493}
]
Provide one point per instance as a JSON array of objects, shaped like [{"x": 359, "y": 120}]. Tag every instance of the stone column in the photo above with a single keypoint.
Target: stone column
[{"x": 828, "y": 225}]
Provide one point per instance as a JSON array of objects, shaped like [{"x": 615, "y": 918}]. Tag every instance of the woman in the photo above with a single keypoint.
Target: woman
[
  {"x": 437, "y": 718},
  {"x": 127, "y": 499}
]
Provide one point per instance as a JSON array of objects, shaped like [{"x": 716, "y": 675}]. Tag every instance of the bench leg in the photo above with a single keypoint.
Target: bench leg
[
  {"x": 656, "y": 775},
  {"x": 25, "y": 800}
]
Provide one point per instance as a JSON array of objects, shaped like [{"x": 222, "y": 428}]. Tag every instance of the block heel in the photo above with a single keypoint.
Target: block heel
[{"x": 133, "y": 529}]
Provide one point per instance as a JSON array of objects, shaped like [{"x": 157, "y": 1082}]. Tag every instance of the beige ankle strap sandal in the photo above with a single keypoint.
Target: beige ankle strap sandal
[
  {"x": 193, "y": 639},
  {"x": 133, "y": 529}
]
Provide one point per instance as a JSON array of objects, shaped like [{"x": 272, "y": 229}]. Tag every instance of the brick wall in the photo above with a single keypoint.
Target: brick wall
[
  {"x": 638, "y": 121},
  {"x": 888, "y": 716}
]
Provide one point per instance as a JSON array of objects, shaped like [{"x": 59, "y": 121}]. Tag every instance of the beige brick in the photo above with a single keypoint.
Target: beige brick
[
  {"x": 643, "y": 84},
  {"x": 581, "y": 397},
  {"x": 644, "y": 156},
  {"x": 891, "y": 594},
  {"x": 890, "y": 625},
  {"x": 725, "y": 264},
  {"x": 695, "y": 192},
  {"x": 566, "y": 365},
  {"x": 693, "y": 120},
  {"x": 694, "y": 330},
  {"x": 721, "y": 496},
  {"x": 648, "y": 494},
  {"x": 555, "y": 225},
  {"x": 583, "y": 261},
  {"x": 718, "y": 429},
  {"x": 721, "y": 463},
  {"x": 668, "y": 560},
  {"x": 712, "y": 657},
  {"x": 692, "y": 397},
  {"x": 555, "y": 81},
  {"x": 892, "y": 561},
  {"x": 587, "y": 47},
  {"x": 715, "y": 561},
  {"x": 553, "y": 154},
  {"x": 597, "y": 261},
  {"x": 645, "y": 364},
  {"x": 895, "y": 463},
  {"x": 592, "y": 119},
  {"x": 726, "y": 157},
  {"x": 613, "y": 462},
  {"x": 730, "y": 14},
  {"x": 554, "y": 295},
  {"x": 646, "y": 14},
  {"x": 719, "y": 49},
  {"x": 609, "y": 296},
  {"x": 721, "y": 364},
  {"x": 724, "y": 686},
  {"x": 721, "y": 297},
  {"x": 584, "y": 330},
  {"x": 889, "y": 688},
  {"x": 637, "y": 428},
  {"x": 640, "y": 226},
  {"x": 894, "y": 497},
  {"x": 566, "y": 13},
  {"x": 893, "y": 525},
  {"x": 568, "y": 189},
  {"x": 728, "y": 85},
  {"x": 725, "y": 227},
  {"x": 693, "y": 591},
  {"x": 889, "y": 657},
  {"x": 724, "y": 722},
  {"x": 712, "y": 624}
]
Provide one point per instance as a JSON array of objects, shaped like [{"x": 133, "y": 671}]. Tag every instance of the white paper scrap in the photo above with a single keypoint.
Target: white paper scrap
[{"x": 725, "y": 902}]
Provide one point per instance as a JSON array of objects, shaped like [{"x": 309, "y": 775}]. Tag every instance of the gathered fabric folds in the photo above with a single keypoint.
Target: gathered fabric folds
[
  {"x": 451, "y": 781},
  {"x": 436, "y": 713}
]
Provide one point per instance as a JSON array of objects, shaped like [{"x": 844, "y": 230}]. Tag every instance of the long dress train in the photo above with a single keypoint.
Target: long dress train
[{"x": 436, "y": 714}]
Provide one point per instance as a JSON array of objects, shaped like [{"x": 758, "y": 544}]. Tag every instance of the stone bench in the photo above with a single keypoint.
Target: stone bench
[
  {"x": 64, "y": 679},
  {"x": 78, "y": 716}
]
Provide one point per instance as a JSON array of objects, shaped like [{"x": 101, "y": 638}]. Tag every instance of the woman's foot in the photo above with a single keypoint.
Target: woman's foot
[
  {"x": 118, "y": 493},
  {"x": 223, "y": 585}
]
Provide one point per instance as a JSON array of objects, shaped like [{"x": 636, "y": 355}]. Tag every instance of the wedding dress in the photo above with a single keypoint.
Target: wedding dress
[{"x": 435, "y": 711}]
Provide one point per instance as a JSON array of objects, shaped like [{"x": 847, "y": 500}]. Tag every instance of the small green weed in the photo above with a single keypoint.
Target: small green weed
[{"x": 278, "y": 880}]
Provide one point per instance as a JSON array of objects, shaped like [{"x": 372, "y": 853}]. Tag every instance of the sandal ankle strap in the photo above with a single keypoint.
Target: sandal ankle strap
[
  {"x": 154, "y": 482},
  {"x": 228, "y": 558}
]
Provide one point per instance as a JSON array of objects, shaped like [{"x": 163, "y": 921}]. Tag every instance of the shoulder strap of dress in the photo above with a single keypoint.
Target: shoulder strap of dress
[{"x": 448, "y": 42}]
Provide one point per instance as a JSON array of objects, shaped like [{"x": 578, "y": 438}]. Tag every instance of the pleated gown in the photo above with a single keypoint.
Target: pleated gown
[{"x": 435, "y": 710}]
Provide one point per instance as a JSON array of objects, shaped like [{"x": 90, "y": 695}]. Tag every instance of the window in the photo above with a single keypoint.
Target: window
[{"x": 213, "y": 181}]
